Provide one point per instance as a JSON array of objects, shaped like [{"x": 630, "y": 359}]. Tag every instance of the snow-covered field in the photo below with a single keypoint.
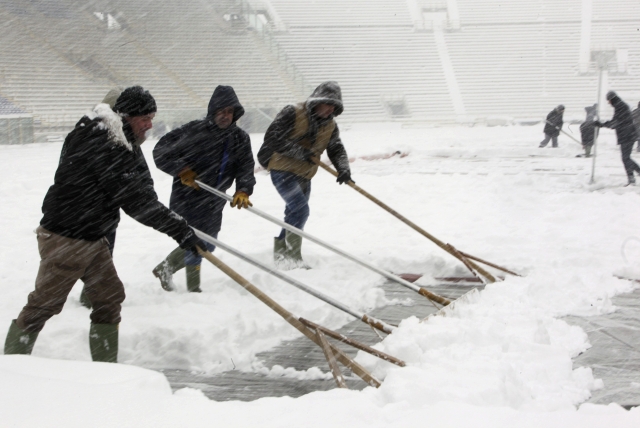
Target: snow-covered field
[{"x": 503, "y": 360}]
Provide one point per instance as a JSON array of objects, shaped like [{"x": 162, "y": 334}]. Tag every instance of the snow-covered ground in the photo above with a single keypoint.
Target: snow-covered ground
[{"x": 503, "y": 360}]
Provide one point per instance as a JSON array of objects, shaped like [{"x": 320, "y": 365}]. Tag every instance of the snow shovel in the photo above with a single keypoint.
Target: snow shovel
[
  {"x": 565, "y": 133},
  {"x": 466, "y": 259},
  {"x": 369, "y": 320},
  {"x": 314, "y": 332},
  {"x": 420, "y": 290}
]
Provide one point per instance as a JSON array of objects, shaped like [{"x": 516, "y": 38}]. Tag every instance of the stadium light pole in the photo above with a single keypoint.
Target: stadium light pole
[{"x": 602, "y": 59}]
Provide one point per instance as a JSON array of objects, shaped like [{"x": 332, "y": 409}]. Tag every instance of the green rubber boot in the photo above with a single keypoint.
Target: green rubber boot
[
  {"x": 19, "y": 341},
  {"x": 170, "y": 265},
  {"x": 193, "y": 279},
  {"x": 293, "y": 252},
  {"x": 103, "y": 342},
  {"x": 279, "y": 249}
]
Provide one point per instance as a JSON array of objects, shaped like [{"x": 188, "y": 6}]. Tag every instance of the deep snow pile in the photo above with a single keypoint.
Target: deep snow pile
[{"x": 503, "y": 358}]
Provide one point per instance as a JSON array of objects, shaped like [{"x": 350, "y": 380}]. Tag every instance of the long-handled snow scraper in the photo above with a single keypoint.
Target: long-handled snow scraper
[
  {"x": 465, "y": 258},
  {"x": 313, "y": 331},
  {"x": 564, "y": 132},
  {"x": 420, "y": 290},
  {"x": 369, "y": 320}
]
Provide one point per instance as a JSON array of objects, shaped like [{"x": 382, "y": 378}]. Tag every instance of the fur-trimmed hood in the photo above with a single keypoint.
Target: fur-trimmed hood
[{"x": 111, "y": 122}]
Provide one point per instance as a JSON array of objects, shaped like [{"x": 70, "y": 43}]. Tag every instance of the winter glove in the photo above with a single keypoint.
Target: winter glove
[
  {"x": 191, "y": 242},
  {"x": 344, "y": 177},
  {"x": 241, "y": 200},
  {"x": 597, "y": 123},
  {"x": 188, "y": 178}
]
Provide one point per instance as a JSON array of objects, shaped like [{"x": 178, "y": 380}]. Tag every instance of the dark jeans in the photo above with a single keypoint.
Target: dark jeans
[
  {"x": 295, "y": 191},
  {"x": 547, "y": 137},
  {"x": 629, "y": 164}
]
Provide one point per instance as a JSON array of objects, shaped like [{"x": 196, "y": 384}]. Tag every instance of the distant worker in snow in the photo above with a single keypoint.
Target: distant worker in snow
[
  {"x": 215, "y": 151},
  {"x": 293, "y": 144},
  {"x": 101, "y": 170},
  {"x": 588, "y": 129},
  {"x": 622, "y": 122},
  {"x": 552, "y": 127},
  {"x": 635, "y": 114}
]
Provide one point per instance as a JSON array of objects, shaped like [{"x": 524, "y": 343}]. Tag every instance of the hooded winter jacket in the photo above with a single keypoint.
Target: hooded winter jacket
[
  {"x": 101, "y": 171},
  {"x": 218, "y": 157},
  {"x": 588, "y": 127},
  {"x": 554, "y": 122},
  {"x": 297, "y": 133},
  {"x": 621, "y": 121}
]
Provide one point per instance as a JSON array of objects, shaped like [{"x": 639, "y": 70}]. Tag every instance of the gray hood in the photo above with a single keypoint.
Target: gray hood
[{"x": 327, "y": 93}]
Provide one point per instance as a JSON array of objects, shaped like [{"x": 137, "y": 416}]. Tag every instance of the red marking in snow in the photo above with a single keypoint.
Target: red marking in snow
[{"x": 411, "y": 277}]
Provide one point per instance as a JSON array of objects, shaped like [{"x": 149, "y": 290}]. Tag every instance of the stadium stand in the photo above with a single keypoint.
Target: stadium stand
[{"x": 485, "y": 59}]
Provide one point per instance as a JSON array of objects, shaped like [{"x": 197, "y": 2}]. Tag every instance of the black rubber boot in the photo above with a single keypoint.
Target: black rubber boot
[
  {"x": 19, "y": 341},
  {"x": 193, "y": 279},
  {"x": 170, "y": 265},
  {"x": 103, "y": 342}
]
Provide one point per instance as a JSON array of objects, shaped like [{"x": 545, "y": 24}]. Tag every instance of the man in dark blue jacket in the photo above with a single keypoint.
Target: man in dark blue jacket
[
  {"x": 101, "y": 170},
  {"x": 622, "y": 122},
  {"x": 215, "y": 151},
  {"x": 552, "y": 126}
]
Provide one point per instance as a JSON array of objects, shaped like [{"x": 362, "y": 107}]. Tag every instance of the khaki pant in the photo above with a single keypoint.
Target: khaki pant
[{"x": 63, "y": 262}]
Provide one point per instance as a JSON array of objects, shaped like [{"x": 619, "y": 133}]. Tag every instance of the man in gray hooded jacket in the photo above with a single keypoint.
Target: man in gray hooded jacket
[{"x": 293, "y": 144}]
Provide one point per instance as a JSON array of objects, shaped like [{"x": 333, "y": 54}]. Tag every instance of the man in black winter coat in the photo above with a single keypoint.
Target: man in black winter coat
[
  {"x": 622, "y": 122},
  {"x": 101, "y": 170},
  {"x": 552, "y": 127},
  {"x": 293, "y": 144},
  {"x": 635, "y": 114},
  {"x": 215, "y": 151}
]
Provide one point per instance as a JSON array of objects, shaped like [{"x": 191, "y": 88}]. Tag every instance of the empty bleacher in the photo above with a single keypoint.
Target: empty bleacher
[{"x": 514, "y": 59}]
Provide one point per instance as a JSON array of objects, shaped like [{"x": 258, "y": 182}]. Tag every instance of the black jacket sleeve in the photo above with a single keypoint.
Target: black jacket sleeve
[
  {"x": 167, "y": 154},
  {"x": 615, "y": 121},
  {"x": 122, "y": 176},
  {"x": 276, "y": 137},
  {"x": 337, "y": 153},
  {"x": 245, "y": 180}
]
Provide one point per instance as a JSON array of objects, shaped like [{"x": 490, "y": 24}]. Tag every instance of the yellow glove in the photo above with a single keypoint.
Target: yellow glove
[
  {"x": 188, "y": 178},
  {"x": 241, "y": 200}
]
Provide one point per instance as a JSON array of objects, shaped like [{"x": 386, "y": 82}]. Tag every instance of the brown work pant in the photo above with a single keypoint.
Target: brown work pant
[{"x": 63, "y": 262}]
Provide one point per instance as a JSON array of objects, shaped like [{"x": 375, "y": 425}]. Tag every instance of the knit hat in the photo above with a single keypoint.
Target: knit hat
[
  {"x": 611, "y": 95},
  {"x": 560, "y": 107},
  {"x": 135, "y": 101}
]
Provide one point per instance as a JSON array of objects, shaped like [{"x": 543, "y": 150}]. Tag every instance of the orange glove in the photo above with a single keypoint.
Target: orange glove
[
  {"x": 241, "y": 200},
  {"x": 188, "y": 178}
]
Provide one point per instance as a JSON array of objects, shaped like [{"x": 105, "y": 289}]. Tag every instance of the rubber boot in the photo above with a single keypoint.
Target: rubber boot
[
  {"x": 19, "y": 341},
  {"x": 170, "y": 265},
  {"x": 293, "y": 251},
  {"x": 279, "y": 249},
  {"x": 193, "y": 279},
  {"x": 103, "y": 342}
]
